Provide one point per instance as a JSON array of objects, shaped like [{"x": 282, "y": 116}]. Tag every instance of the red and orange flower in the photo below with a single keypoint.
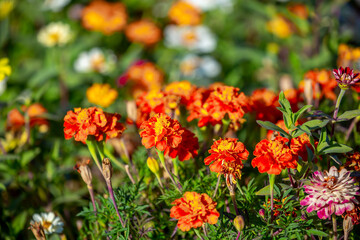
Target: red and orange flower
[
  {"x": 226, "y": 156},
  {"x": 183, "y": 13},
  {"x": 167, "y": 135},
  {"x": 104, "y": 17},
  {"x": 299, "y": 146},
  {"x": 264, "y": 103},
  {"x": 143, "y": 31},
  {"x": 16, "y": 120},
  {"x": 193, "y": 210},
  {"x": 272, "y": 156},
  {"x": 92, "y": 121}
]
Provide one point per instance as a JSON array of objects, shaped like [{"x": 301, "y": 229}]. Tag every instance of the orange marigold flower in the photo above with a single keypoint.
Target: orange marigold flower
[
  {"x": 105, "y": 17},
  {"x": 92, "y": 121},
  {"x": 299, "y": 10},
  {"x": 272, "y": 156},
  {"x": 149, "y": 103},
  {"x": 193, "y": 210},
  {"x": 166, "y": 134},
  {"x": 353, "y": 162},
  {"x": 226, "y": 156},
  {"x": 264, "y": 103},
  {"x": 16, "y": 120},
  {"x": 183, "y": 13},
  {"x": 101, "y": 94},
  {"x": 143, "y": 31},
  {"x": 299, "y": 146},
  {"x": 183, "y": 89},
  {"x": 279, "y": 26}
]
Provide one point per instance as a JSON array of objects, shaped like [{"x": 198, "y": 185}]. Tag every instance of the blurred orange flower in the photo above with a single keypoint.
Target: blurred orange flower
[
  {"x": 183, "y": 13},
  {"x": 183, "y": 89},
  {"x": 16, "y": 120},
  {"x": 105, "y": 17},
  {"x": 264, "y": 103},
  {"x": 347, "y": 55},
  {"x": 193, "y": 210},
  {"x": 226, "y": 157},
  {"x": 143, "y": 31},
  {"x": 101, "y": 94},
  {"x": 279, "y": 26},
  {"x": 272, "y": 156},
  {"x": 92, "y": 121},
  {"x": 298, "y": 9},
  {"x": 299, "y": 146}
]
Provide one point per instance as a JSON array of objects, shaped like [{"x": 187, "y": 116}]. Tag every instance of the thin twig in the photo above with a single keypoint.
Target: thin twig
[{"x": 217, "y": 186}]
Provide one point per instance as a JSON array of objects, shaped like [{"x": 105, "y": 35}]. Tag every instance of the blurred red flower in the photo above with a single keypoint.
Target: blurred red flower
[{"x": 15, "y": 119}]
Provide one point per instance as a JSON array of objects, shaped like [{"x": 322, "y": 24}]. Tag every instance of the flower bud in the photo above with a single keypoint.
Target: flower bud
[
  {"x": 38, "y": 230},
  {"x": 239, "y": 223},
  {"x": 153, "y": 165},
  {"x": 84, "y": 170},
  {"x": 107, "y": 169},
  {"x": 262, "y": 213}
]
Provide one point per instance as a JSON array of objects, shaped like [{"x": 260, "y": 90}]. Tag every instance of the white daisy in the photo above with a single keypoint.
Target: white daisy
[
  {"x": 95, "y": 60},
  {"x": 206, "y": 5},
  {"x": 54, "y": 5},
  {"x": 49, "y": 222},
  {"x": 194, "y": 38},
  {"x": 55, "y": 33},
  {"x": 199, "y": 67}
]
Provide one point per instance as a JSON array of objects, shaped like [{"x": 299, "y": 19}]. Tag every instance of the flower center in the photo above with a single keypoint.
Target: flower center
[{"x": 46, "y": 224}]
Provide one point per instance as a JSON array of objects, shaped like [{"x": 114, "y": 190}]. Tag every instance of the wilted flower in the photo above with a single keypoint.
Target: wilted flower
[
  {"x": 194, "y": 38},
  {"x": 354, "y": 214},
  {"x": 92, "y": 121},
  {"x": 101, "y": 94},
  {"x": 199, "y": 67},
  {"x": 143, "y": 31},
  {"x": 55, "y": 34},
  {"x": 105, "y": 17},
  {"x": 95, "y": 60},
  {"x": 54, "y": 5},
  {"x": 37, "y": 230},
  {"x": 353, "y": 162},
  {"x": 183, "y": 13},
  {"x": 272, "y": 156},
  {"x": 206, "y": 5},
  {"x": 16, "y": 120},
  {"x": 346, "y": 77},
  {"x": 331, "y": 192},
  {"x": 226, "y": 156},
  {"x": 193, "y": 210},
  {"x": 279, "y": 26},
  {"x": 49, "y": 222},
  {"x": 83, "y": 168}
]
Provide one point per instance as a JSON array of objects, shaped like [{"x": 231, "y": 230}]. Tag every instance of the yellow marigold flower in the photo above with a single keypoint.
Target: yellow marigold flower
[
  {"x": 279, "y": 26},
  {"x": 5, "y": 69},
  {"x": 143, "y": 31},
  {"x": 104, "y": 17},
  {"x": 183, "y": 13},
  {"x": 101, "y": 94},
  {"x": 6, "y": 6}
]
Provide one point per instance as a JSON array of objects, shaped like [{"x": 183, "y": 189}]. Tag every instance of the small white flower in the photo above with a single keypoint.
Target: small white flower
[
  {"x": 49, "y": 222},
  {"x": 54, "y": 5},
  {"x": 197, "y": 66},
  {"x": 206, "y": 5},
  {"x": 95, "y": 60},
  {"x": 55, "y": 33},
  {"x": 194, "y": 38}
]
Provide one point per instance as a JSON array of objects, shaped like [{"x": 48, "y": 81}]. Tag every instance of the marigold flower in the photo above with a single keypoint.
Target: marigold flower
[
  {"x": 143, "y": 31},
  {"x": 101, "y": 94},
  {"x": 92, "y": 121},
  {"x": 346, "y": 77},
  {"x": 193, "y": 210},
  {"x": 105, "y": 17},
  {"x": 149, "y": 103},
  {"x": 272, "y": 156},
  {"x": 279, "y": 26},
  {"x": 183, "y": 13},
  {"x": 188, "y": 148},
  {"x": 299, "y": 146},
  {"x": 331, "y": 192},
  {"x": 183, "y": 89},
  {"x": 16, "y": 120},
  {"x": 55, "y": 34},
  {"x": 353, "y": 162},
  {"x": 264, "y": 103},
  {"x": 226, "y": 156},
  {"x": 299, "y": 10}
]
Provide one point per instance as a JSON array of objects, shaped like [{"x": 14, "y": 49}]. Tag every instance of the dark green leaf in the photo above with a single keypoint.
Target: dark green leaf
[
  {"x": 348, "y": 115},
  {"x": 272, "y": 126}
]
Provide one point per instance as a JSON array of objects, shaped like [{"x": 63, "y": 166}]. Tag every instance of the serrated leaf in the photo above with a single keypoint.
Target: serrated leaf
[
  {"x": 348, "y": 115},
  {"x": 272, "y": 126},
  {"x": 316, "y": 233},
  {"x": 264, "y": 191}
]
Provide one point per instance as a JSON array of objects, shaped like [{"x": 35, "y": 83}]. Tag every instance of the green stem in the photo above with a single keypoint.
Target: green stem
[
  {"x": 92, "y": 149},
  {"x": 162, "y": 160},
  {"x": 176, "y": 167},
  {"x": 198, "y": 234},
  {"x": 272, "y": 183},
  {"x": 160, "y": 183},
  {"x": 336, "y": 111},
  {"x": 113, "y": 158},
  {"x": 100, "y": 149}
]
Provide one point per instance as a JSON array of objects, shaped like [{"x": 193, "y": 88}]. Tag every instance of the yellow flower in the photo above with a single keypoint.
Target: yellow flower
[
  {"x": 101, "y": 94},
  {"x": 5, "y": 69},
  {"x": 6, "y": 6},
  {"x": 279, "y": 26}
]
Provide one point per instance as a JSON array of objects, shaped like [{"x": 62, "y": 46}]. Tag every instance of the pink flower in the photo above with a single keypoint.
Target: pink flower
[
  {"x": 346, "y": 77},
  {"x": 331, "y": 192}
]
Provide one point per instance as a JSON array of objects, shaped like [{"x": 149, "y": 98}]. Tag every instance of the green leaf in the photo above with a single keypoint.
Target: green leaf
[
  {"x": 348, "y": 115},
  {"x": 264, "y": 191},
  {"x": 272, "y": 126},
  {"x": 301, "y": 111},
  {"x": 316, "y": 233},
  {"x": 284, "y": 103},
  {"x": 336, "y": 148},
  {"x": 315, "y": 124},
  {"x": 19, "y": 222}
]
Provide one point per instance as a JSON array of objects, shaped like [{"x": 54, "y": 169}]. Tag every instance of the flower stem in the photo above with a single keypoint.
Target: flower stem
[
  {"x": 91, "y": 192},
  {"x": 272, "y": 183},
  {"x": 111, "y": 191},
  {"x": 198, "y": 234},
  {"x": 92, "y": 149},
  {"x": 176, "y": 167},
  {"x": 336, "y": 111},
  {"x": 232, "y": 195},
  {"x": 113, "y": 158},
  {"x": 238, "y": 236},
  {"x": 162, "y": 160},
  {"x": 334, "y": 226},
  {"x": 217, "y": 186}
]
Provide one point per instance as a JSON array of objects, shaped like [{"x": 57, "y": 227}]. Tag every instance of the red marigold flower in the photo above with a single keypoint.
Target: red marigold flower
[
  {"x": 92, "y": 121},
  {"x": 264, "y": 103},
  {"x": 166, "y": 134},
  {"x": 273, "y": 156},
  {"x": 226, "y": 157},
  {"x": 299, "y": 144},
  {"x": 15, "y": 120},
  {"x": 149, "y": 103},
  {"x": 193, "y": 210}
]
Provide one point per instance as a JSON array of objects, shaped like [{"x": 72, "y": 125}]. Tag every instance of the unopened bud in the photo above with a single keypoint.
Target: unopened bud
[
  {"x": 262, "y": 213},
  {"x": 153, "y": 165},
  {"x": 38, "y": 230},
  {"x": 84, "y": 170},
  {"x": 239, "y": 223},
  {"x": 107, "y": 169}
]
